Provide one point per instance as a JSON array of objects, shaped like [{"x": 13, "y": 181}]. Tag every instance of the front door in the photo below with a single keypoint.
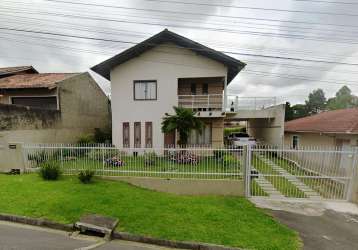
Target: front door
[{"x": 169, "y": 140}]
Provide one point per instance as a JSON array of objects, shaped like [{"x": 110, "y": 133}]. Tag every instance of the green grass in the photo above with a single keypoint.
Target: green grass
[
  {"x": 327, "y": 188},
  {"x": 220, "y": 220},
  {"x": 278, "y": 181}
]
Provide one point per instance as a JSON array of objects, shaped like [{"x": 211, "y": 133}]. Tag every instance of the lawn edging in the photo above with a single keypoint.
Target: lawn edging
[{"x": 115, "y": 235}]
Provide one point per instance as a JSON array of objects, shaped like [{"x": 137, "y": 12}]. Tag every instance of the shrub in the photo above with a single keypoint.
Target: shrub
[
  {"x": 101, "y": 136},
  {"x": 50, "y": 171},
  {"x": 230, "y": 161},
  {"x": 85, "y": 176}
]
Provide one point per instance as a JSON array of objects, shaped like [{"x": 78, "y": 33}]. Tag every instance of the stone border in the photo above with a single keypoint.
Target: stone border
[{"x": 116, "y": 235}]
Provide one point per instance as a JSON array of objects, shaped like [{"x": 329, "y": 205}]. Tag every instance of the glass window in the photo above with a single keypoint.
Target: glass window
[
  {"x": 137, "y": 135},
  {"x": 126, "y": 135},
  {"x": 203, "y": 138},
  {"x": 295, "y": 142},
  {"x": 145, "y": 90},
  {"x": 148, "y": 134}
]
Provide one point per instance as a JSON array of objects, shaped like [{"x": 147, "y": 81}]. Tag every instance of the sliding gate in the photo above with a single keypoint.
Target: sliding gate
[{"x": 310, "y": 173}]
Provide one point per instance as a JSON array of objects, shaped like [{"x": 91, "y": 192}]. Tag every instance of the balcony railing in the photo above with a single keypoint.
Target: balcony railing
[
  {"x": 201, "y": 102},
  {"x": 235, "y": 103}
]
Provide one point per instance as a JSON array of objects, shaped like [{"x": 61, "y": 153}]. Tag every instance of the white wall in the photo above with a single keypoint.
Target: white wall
[{"x": 165, "y": 65}]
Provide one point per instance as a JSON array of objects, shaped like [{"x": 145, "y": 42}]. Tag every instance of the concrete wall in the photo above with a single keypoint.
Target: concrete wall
[
  {"x": 187, "y": 187},
  {"x": 268, "y": 130},
  {"x": 166, "y": 65},
  {"x": 11, "y": 156},
  {"x": 83, "y": 107}
]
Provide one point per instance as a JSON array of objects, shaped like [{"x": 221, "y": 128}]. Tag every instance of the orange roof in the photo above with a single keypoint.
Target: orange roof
[
  {"x": 13, "y": 70},
  {"x": 343, "y": 121},
  {"x": 47, "y": 80}
]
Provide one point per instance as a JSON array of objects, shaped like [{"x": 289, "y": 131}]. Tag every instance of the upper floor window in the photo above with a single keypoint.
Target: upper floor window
[{"x": 145, "y": 90}]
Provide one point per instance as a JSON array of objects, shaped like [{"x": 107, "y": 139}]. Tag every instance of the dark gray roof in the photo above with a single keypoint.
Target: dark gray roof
[{"x": 234, "y": 65}]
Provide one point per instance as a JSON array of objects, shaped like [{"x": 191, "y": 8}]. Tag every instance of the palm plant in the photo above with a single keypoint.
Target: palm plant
[{"x": 183, "y": 121}]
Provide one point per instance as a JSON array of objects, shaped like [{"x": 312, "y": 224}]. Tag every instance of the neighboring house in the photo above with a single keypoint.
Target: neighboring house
[
  {"x": 10, "y": 71},
  {"x": 169, "y": 70},
  {"x": 338, "y": 128},
  {"x": 51, "y": 107}
]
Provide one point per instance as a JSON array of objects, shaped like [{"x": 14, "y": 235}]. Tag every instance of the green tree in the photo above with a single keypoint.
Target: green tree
[
  {"x": 343, "y": 99},
  {"x": 183, "y": 121},
  {"x": 316, "y": 101}
]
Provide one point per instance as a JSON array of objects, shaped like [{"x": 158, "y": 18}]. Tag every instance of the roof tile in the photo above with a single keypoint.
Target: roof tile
[
  {"x": 47, "y": 80},
  {"x": 338, "y": 121}
]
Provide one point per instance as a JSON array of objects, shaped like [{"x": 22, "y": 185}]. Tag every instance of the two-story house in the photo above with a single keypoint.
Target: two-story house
[{"x": 163, "y": 71}]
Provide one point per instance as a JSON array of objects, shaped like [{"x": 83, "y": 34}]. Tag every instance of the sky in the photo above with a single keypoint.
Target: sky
[{"x": 291, "y": 47}]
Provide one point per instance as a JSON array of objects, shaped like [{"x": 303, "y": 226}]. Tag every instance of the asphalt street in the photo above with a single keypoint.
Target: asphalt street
[{"x": 24, "y": 237}]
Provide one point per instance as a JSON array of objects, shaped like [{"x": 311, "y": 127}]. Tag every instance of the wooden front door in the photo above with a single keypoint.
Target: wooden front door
[{"x": 169, "y": 140}]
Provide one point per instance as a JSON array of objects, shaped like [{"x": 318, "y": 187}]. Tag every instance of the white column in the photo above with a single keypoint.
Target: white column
[{"x": 225, "y": 95}]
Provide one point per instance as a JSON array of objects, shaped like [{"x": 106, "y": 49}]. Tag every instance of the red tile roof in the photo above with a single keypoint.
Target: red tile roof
[
  {"x": 13, "y": 70},
  {"x": 48, "y": 80},
  {"x": 344, "y": 121}
]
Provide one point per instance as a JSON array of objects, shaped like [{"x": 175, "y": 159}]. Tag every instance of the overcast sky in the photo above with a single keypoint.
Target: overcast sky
[{"x": 298, "y": 29}]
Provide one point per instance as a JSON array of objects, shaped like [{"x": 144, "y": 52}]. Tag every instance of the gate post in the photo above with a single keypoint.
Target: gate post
[
  {"x": 247, "y": 169},
  {"x": 352, "y": 193}
]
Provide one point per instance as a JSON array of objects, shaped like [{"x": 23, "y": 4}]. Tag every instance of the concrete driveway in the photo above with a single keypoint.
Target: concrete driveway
[
  {"x": 23, "y": 237},
  {"x": 321, "y": 225}
]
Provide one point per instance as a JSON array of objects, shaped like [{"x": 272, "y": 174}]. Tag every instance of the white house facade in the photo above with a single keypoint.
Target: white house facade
[{"x": 146, "y": 86}]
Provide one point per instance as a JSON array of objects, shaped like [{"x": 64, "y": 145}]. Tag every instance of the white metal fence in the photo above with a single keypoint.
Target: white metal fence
[
  {"x": 311, "y": 173},
  {"x": 191, "y": 163}
]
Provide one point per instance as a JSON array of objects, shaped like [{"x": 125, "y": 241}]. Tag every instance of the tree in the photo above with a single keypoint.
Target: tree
[
  {"x": 295, "y": 111},
  {"x": 183, "y": 121},
  {"x": 316, "y": 101},
  {"x": 343, "y": 99}
]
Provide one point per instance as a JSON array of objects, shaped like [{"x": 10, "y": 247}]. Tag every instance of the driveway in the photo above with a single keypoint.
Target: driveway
[
  {"x": 23, "y": 237},
  {"x": 321, "y": 225}
]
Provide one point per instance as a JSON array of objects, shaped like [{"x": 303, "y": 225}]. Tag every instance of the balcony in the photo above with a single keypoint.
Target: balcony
[
  {"x": 200, "y": 103},
  {"x": 215, "y": 102}
]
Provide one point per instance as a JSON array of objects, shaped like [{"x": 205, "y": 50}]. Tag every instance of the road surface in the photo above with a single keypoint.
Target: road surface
[{"x": 24, "y": 237}]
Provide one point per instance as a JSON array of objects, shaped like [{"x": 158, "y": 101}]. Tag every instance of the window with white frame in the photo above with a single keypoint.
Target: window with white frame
[
  {"x": 295, "y": 141},
  {"x": 145, "y": 90}
]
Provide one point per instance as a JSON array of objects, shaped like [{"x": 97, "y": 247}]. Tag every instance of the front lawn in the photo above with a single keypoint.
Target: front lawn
[{"x": 220, "y": 220}]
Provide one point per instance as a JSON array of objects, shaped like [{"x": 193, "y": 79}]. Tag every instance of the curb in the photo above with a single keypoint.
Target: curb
[
  {"x": 116, "y": 235},
  {"x": 169, "y": 243},
  {"x": 37, "y": 222}
]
